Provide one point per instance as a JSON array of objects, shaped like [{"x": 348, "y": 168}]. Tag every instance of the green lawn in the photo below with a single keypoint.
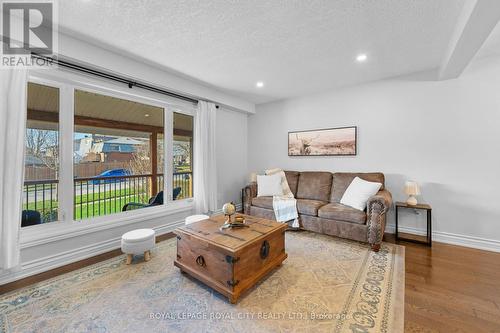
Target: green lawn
[
  {"x": 106, "y": 207},
  {"x": 98, "y": 204}
]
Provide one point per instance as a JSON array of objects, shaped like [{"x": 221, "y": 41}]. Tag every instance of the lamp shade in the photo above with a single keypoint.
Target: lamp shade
[
  {"x": 253, "y": 177},
  {"x": 412, "y": 188}
]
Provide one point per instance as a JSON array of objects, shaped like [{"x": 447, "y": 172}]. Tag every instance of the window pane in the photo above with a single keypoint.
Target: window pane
[
  {"x": 41, "y": 162},
  {"x": 116, "y": 155},
  {"x": 183, "y": 156}
]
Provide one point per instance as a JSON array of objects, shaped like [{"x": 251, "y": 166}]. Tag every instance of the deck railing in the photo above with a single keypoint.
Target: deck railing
[
  {"x": 42, "y": 196},
  {"x": 184, "y": 180},
  {"x": 98, "y": 196}
]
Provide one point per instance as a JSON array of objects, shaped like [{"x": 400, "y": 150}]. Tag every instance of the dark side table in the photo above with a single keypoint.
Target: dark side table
[{"x": 425, "y": 207}]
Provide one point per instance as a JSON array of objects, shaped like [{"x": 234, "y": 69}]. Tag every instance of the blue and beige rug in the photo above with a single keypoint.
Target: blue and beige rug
[{"x": 326, "y": 285}]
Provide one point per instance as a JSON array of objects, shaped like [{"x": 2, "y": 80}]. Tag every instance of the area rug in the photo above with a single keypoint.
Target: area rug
[{"x": 327, "y": 284}]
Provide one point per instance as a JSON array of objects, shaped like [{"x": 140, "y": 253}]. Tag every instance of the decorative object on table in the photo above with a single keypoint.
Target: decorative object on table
[
  {"x": 236, "y": 225},
  {"x": 239, "y": 219},
  {"x": 340, "y": 141},
  {"x": 138, "y": 241},
  {"x": 238, "y": 222},
  {"x": 412, "y": 189},
  {"x": 195, "y": 218},
  {"x": 229, "y": 209},
  {"x": 425, "y": 207}
]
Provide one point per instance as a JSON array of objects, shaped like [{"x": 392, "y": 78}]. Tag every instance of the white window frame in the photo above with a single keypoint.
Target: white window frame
[{"x": 65, "y": 226}]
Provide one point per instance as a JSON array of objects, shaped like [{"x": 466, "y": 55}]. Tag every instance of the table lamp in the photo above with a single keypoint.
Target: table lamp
[
  {"x": 412, "y": 189},
  {"x": 253, "y": 177}
]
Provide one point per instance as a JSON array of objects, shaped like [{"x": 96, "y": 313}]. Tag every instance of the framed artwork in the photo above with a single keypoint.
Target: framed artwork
[{"x": 341, "y": 141}]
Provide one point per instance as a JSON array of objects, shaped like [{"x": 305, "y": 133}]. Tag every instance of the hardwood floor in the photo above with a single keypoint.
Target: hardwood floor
[
  {"x": 448, "y": 288},
  {"x": 451, "y": 289}
]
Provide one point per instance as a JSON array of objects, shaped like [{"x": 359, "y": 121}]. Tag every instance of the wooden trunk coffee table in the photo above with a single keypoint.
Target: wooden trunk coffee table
[{"x": 232, "y": 260}]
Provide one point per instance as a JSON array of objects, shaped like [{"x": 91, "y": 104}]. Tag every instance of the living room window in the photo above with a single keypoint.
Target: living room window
[
  {"x": 115, "y": 155},
  {"x": 41, "y": 157},
  {"x": 93, "y": 152}
]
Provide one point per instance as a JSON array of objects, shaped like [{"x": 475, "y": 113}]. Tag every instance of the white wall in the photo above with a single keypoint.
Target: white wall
[
  {"x": 231, "y": 155},
  {"x": 445, "y": 135}
]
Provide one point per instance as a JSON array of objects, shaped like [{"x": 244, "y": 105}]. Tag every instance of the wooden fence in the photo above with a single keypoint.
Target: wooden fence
[{"x": 81, "y": 170}]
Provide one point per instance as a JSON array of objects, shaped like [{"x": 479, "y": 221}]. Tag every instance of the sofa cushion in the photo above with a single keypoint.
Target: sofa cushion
[
  {"x": 342, "y": 180},
  {"x": 340, "y": 212},
  {"x": 314, "y": 185},
  {"x": 292, "y": 177},
  {"x": 269, "y": 185},
  {"x": 358, "y": 193},
  {"x": 263, "y": 202},
  {"x": 309, "y": 207}
]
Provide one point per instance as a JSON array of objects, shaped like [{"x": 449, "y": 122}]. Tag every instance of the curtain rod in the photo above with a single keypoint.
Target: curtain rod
[{"x": 113, "y": 77}]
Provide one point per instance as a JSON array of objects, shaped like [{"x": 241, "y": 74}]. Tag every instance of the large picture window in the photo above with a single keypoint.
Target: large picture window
[{"x": 114, "y": 157}]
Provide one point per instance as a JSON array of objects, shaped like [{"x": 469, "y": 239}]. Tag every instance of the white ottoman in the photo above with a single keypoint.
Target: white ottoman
[
  {"x": 137, "y": 242},
  {"x": 196, "y": 218}
]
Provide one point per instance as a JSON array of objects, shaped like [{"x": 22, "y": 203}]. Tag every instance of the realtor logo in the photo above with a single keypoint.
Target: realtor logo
[{"x": 27, "y": 27}]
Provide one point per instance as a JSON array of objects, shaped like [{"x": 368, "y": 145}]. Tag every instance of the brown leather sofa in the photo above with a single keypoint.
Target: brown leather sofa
[{"x": 318, "y": 197}]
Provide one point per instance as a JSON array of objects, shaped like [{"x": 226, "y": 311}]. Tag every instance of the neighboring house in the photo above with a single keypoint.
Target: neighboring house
[
  {"x": 83, "y": 146},
  {"x": 122, "y": 145},
  {"x": 120, "y": 149},
  {"x": 106, "y": 148},
  {"x": 31, "y": 160}
]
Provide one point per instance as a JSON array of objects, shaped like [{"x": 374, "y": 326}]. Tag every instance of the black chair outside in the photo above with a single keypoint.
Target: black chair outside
[
  {"x": 30, "y": 217},
  {"x": 153, "y": 201}
]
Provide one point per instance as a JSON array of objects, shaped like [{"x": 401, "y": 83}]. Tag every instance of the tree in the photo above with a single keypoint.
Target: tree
[
  {"x": 140, "y": 164},
  {"x": 44, "y": 145}
]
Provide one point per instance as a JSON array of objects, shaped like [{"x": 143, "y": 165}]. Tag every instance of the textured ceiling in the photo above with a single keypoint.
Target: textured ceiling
[{"x": 295, "y": 47}]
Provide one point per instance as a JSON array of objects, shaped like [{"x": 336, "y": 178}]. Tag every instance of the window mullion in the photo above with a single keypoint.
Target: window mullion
[
  {"x": 168, "y": 153},
  {"x": 66, "y": 154}
]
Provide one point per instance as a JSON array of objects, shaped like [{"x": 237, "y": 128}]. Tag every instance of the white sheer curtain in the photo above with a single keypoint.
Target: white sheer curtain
[
  {"x": 12, "y": 131},
  {"x": 205, "y": 172}
]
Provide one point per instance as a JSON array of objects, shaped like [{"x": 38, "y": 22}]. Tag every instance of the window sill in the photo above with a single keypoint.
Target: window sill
[{"x": 55, "y": 231}]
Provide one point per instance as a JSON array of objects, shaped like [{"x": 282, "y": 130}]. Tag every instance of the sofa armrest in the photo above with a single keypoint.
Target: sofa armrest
[
  {"x": 249, "y": 192},
  {"x": 383, "y": 197},
  {"x": 377, "y": 207}
]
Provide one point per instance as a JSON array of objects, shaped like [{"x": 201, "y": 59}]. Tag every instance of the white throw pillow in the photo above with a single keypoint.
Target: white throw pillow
[
  {"x": 269, "y": 185},
  {"x": 358, "y": 193},
  {"x": 284, "y": 183}
]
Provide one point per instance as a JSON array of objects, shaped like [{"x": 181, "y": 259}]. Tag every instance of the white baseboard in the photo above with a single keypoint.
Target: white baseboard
[
  {"x": 47, "y": 263},
  {"x": 450, "y": 238}
]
